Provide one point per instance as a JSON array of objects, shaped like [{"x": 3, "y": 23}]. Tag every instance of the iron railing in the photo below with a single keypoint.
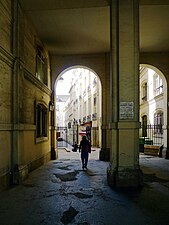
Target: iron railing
[{"x": 152, "y": 134}]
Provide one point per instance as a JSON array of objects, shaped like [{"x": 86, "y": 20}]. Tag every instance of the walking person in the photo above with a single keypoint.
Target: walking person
[{"x": 85, "y": 149}]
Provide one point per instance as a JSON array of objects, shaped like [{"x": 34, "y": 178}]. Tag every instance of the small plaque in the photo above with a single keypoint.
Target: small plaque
[{"x": 126, "y": 110}]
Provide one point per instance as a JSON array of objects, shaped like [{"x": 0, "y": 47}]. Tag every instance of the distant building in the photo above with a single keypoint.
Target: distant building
[
  {"x": 60, "y": 115},
  {"x": 153, "y": 106},
  {"x": 83, "y": 107}
]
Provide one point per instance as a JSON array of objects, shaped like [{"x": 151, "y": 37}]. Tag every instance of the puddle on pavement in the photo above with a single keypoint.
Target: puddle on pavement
[
  {"x": 84, "y": 223},
  {"x": 69, "y": 215},
  {"x": 82, "y": 195},
  {"x": 68, "y": 176},
  {"x": 64, "y": 168}
]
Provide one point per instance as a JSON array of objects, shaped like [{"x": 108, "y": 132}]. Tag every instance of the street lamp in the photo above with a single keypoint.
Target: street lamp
[
  {"x": 51, "y": 106},
  {"x": 65, "y": 129}
]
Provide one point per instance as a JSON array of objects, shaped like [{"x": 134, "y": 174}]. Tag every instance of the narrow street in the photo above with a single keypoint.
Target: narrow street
[{"x": 60, "y": 192}]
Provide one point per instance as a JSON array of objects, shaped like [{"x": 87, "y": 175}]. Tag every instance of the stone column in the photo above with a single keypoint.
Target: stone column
[
  {"x": 167, "y": 150},
  {"x": 105, "y": 150},
  {"x": 54, "y": 153},
  {"x": 105, "y": 147},
  {"x": 124, "y": 170}
]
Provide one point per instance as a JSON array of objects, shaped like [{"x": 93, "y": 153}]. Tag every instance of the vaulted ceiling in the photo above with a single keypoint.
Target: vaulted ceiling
[{"x": 83, "y": 26}]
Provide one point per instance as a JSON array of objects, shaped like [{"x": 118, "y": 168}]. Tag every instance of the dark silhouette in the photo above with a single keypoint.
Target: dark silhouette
[
  {"x": 85, "y": 149},
  {"x": 75, "y": 147}
]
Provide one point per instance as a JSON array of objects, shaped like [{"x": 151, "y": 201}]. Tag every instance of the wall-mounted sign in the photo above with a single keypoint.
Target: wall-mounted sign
[{"x": 126, "y": 110}]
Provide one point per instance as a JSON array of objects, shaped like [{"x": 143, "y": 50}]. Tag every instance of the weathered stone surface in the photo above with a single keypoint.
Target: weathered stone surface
[
  {"x": 67, "y": 176},
  {"x": 69, "y": 215},
  {"x": 124, "y": 177}
]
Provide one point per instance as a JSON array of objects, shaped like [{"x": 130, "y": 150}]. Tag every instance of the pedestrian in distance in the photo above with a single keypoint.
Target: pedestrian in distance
[{"x": 85, "y": 149}]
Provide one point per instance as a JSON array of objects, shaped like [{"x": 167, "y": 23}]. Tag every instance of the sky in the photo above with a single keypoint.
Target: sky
[{"x": 63, "y": 87}]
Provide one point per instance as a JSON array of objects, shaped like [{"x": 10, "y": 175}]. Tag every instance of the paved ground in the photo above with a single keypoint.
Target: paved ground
[{"x": 60, "y": 192}]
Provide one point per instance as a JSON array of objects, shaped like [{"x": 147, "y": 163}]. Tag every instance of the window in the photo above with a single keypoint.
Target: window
[
  {"x": 144, "y": 126},
  {"x": 69, "y": 125},
  {"x": 144, "y": 92},
  {"x": 94, "y": 101},
  {"x": 94, "y": 104},
  {"x": 158, "y": 122},
  {"x": 41, "y": 121},
  {"x": 57, "y": 107},
  {"x": 41, "y": 65},
  {"x": 158, "y": 85},
  {"x": 89, "y": 106},
  {"x": 94, "y": 81}
]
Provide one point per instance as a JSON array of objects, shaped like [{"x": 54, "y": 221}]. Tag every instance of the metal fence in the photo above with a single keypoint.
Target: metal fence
[
  {"x": 61, "y": 136},
  {"x": 152, "y": 134}
]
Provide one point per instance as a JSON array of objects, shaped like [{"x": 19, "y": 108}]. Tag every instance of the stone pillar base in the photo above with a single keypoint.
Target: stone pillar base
[
  {"x": 19, "y": 174},
  {"x": 104, "y": 154},
  {"x": 167, "y": 154},
  {"x": 5, "y": 181},
  {"x": 124, "y": 178},
  {"x": 53, "y": 153}
]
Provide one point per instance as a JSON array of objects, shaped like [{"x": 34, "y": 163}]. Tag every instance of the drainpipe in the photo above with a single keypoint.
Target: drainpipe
[
  {"x": 14, "y": 175},
  {"x": 54, "y": 154}
]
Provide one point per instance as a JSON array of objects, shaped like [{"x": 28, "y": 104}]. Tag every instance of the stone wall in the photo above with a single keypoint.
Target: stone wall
[
  {"x": 20, "y": 89},
  {"x": 100, "y": 64},
  {"x": 5, "y": 91}
]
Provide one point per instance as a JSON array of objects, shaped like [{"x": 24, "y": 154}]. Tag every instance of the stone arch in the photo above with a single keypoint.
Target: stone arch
[
  {"x": 100, "y": 64},
  {"x": 157, "y": 70},
  {"x": 94, "y": 112},
  {"x": 157, "y": 61},
  {"x": 74, "y": 67}
]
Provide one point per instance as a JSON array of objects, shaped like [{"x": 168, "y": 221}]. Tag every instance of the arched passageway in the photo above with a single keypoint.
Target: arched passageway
[
  {"x": 153, "y": 110},
  {"x": 78, "y": 100}
]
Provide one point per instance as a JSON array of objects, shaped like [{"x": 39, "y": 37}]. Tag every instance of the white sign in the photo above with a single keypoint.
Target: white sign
[{"x": 126, "y": 110}]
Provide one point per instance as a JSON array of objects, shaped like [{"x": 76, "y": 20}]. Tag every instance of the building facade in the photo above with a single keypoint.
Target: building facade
[
  {"x": 83, "y": 114},
  {"x": 153, "y": 106},
  {"x": 25, "y": 133},
  {"x": 29, "y": 68}
]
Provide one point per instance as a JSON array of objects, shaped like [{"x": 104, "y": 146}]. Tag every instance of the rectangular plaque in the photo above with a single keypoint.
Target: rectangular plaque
[{"x": 126, "y": 110}]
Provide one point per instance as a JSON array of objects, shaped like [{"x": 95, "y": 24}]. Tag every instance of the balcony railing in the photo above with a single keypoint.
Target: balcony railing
[
  {"x": 158, "y": 90},
  {"x": 94, "y": 116},
  {"x": 89, "y": 118}
]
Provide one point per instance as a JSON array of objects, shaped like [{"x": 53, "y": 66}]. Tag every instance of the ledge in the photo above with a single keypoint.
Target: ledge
[
  {"x": 19, "y": 127},
  {"x": 155, "y": 150},
  {"x": 30, "y": 77},
  {"x": 129, "y": 125},
  {"x": 6, "y": 57}
]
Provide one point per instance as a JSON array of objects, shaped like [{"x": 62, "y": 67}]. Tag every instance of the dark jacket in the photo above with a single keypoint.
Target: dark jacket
[{"x": 85, "y": 146}]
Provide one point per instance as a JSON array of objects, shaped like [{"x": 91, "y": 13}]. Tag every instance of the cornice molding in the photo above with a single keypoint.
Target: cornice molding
[
  {"x": 6, "y": 57},
  {"x": 30, "y": 77},
  {"x": 17, "y": 127}
]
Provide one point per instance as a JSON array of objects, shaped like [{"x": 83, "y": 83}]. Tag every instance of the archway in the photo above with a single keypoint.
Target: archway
[
  {"x": 78, "y": 100},
  {"x": 153, "y": 106}
]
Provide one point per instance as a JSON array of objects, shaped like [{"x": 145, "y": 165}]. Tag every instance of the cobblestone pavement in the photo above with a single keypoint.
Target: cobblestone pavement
[{"x": 60, "y": 192}]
